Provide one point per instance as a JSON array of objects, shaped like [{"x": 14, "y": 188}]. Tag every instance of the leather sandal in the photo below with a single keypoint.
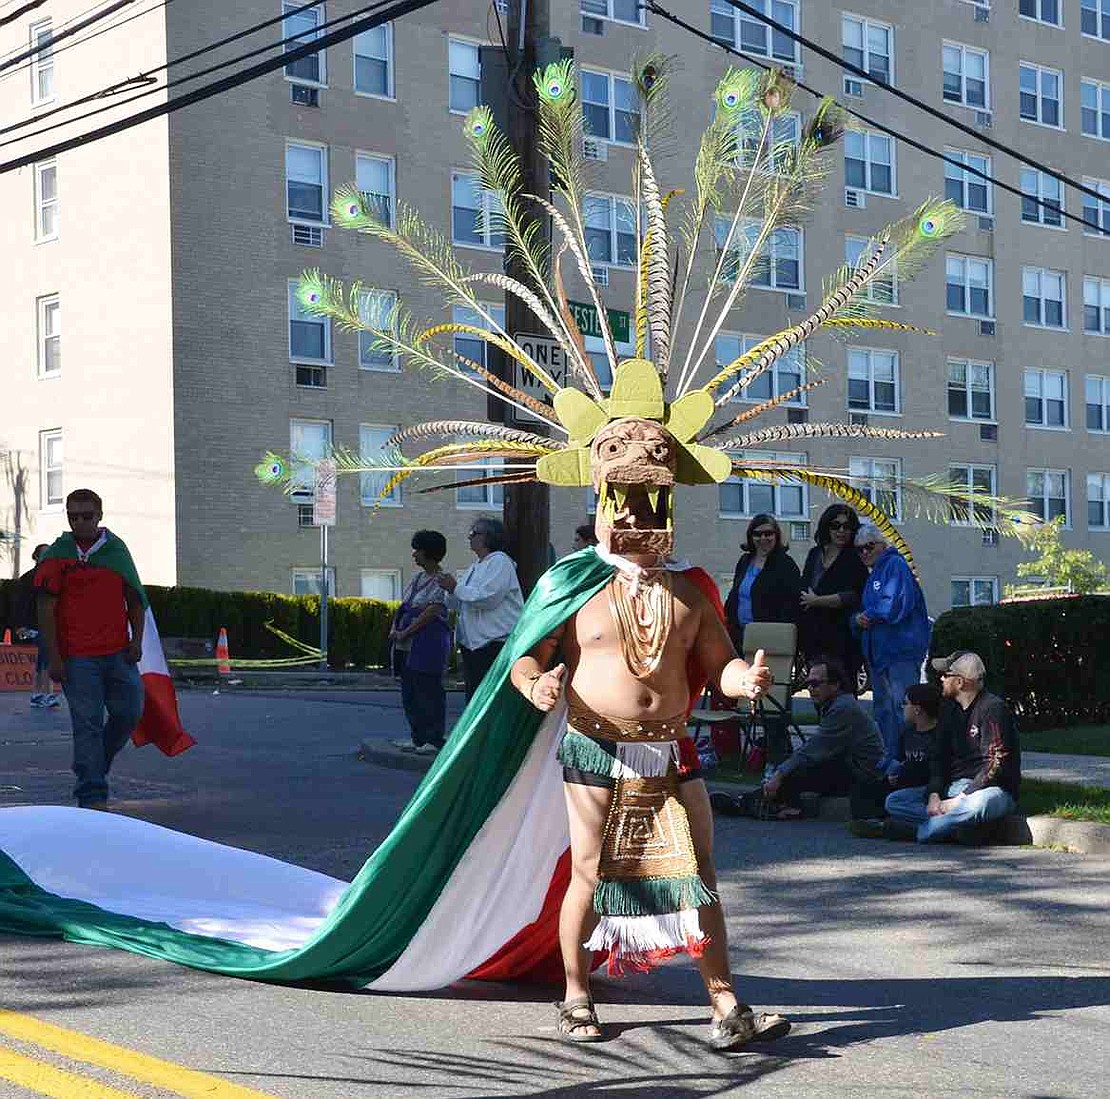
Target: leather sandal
[
  {"x": 742, "y": 1025},
  {"x": 574, "y": 1016}
]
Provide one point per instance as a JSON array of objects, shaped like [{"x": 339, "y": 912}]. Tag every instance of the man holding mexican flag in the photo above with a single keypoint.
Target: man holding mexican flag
[{"x": 103, "y": 648}]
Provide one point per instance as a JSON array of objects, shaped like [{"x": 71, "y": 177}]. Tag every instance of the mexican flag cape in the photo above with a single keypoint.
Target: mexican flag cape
[
  {"x": 467, "y": 884},
  {"x": 160, "y": 724}
]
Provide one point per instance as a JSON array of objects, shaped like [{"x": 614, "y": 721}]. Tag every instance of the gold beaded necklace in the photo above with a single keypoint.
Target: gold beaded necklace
[{"x": 643, "y": 611}]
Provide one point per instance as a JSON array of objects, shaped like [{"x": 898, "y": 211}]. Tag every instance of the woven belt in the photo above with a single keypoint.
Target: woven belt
[{"x": 586, "y": 722}]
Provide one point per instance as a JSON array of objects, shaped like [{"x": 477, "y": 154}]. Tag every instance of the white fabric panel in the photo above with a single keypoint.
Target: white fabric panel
[
  {"x": 152, "y": 661},
  {"x": 154, "y": 873},
  {"x": 500, "y": 883}
]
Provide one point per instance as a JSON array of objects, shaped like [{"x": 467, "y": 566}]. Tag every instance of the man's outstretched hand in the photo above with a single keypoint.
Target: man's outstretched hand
[
  {"x": 750, "y": 681},
  {"x": 545, "y": 690}
]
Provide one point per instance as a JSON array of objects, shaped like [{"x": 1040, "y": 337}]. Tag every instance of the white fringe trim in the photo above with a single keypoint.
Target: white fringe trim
[
  {"x": 639, "y": 935},
  {"x": 640, "y": 759}
]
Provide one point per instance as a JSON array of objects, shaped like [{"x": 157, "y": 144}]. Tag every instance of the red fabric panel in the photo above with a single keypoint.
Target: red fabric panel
[
  {"x": 160, "y": 724},
  {"x": 91, "y": 615}
]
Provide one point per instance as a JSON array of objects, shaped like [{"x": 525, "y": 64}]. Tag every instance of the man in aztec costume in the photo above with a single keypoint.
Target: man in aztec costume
[{"x": 491, "y": 866}]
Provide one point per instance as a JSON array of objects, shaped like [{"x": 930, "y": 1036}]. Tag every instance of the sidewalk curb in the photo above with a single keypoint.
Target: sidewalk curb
[{"x": 380, "y": 753}]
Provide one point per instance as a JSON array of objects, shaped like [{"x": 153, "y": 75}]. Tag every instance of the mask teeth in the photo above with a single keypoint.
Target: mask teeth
[
  {"x": 621, "y": 494},
  {"x": 653, "y": 499}
]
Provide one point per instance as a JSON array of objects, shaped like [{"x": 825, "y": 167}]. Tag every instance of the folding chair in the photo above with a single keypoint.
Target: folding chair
[{"x": 773, "y": 712}]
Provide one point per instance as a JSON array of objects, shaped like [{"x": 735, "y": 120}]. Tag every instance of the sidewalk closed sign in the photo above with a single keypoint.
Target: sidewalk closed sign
[
  {"x": 323, "y": 504},
  {"x": 17, "y": 667}
]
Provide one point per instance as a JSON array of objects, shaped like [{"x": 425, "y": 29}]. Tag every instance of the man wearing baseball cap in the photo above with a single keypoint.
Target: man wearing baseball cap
[{"x": 976, "y": 773}]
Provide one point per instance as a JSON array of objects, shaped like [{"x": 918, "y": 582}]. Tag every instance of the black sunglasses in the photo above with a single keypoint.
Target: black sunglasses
[
  {"x": 840, "y": 524},
  {"x": 764, "y": 533},
  {"x": 80, "y": 515}
]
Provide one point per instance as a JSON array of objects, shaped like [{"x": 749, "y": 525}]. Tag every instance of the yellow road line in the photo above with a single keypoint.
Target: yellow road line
[
  {"x": 182, "y": 1081},
  {"x": 55, "y": 1082}
]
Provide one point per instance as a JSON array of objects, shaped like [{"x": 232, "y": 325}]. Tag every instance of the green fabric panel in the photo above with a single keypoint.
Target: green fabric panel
[
  {"x": 400, "y": 882},
  {"x": 585, "y": 754},
  {"x": 649, "y": 896},
  {"x": 113, "y": 555}
]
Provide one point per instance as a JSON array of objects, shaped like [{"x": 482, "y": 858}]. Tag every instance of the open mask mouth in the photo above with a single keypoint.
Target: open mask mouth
[{"x": 636, "y": 518}]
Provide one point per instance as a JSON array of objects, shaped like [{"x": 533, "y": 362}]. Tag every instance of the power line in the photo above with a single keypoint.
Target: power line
[
  {"x": 401, "y": 7},
  {"x": 28, "y": 7},
  {"x": 147, "y": 77},
  {"x": 828, "y": 55},
  {"x": 911, "y": 142},
  {"x": 38, "y": 48}
]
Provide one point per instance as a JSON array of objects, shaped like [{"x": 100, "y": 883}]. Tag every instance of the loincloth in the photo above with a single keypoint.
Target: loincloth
[{"x": 649, "y": 887}]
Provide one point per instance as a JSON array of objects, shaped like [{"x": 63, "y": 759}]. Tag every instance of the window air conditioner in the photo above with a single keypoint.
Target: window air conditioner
[
  {"x": 984, "y": 119},
  {"x": 304, "y": 95},
  {"x": 986, "y": 224},
  {"x": 311, "y": 236},
  {"x": 982, "y": 13},
  {"x": 594, "y": 148},
  {"x": 858, "y": 419},
  {"x": 988, "y": 433},
  {"x": 857, "y": 200},
  {"x": 601, "y": 275},
  {"x": 795, "y": 301},
  {"x": 852, "y": 86},
  {"x": 590, "y": 25},
  {"x": 990, "y": 536},
  {"x": 986, "y": 328}
]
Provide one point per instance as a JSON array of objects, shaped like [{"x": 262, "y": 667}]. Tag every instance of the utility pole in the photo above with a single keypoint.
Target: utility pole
[{"x": 527, "y": 507}]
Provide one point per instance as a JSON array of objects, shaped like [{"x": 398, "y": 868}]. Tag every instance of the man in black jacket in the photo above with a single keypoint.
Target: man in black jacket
[
  {"x": 25, "y": 620},
  {"x": 977, "y": 771}
]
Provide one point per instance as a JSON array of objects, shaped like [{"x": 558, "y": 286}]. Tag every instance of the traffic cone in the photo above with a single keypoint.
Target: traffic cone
[
  {"x": 223, "y": 657},
  {"x": 7, "y": 637}
]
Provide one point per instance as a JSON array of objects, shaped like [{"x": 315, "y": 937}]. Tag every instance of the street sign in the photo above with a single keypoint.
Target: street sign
[
  {"x": 546, "y": 352},
  {"x": 589, "y": 324},
  {"x": 324, "y": 502}
]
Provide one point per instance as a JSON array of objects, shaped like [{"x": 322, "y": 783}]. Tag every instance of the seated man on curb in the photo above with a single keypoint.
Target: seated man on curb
[
  {"x": 842, "y": 757},
  {"x": 917, "y": 747},
  {"x": 977, "y": 769}
]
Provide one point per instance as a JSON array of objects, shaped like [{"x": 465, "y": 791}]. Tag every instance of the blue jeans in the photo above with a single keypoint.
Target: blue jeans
[
  {"x": 425, "y": 704},
  {"x": 92, "y": 685},
  {"x": 987, "y": 804},
  {"x": 888, "y": 690}
]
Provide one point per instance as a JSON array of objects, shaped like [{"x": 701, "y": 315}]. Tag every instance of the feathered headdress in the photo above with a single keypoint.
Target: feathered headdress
[{"x": 753, "y": 177}]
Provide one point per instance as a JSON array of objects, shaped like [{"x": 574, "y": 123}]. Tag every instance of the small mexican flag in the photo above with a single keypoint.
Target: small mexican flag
[{"x": 160, "y": 724}]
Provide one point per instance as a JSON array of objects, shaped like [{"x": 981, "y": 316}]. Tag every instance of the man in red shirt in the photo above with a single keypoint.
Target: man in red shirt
[{"x": 92, "y": 621}]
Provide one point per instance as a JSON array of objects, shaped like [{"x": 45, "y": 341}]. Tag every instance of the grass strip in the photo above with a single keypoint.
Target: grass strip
[
  {"x": 1065, "y": 799},
  {"x": 1077, "y": 740}
]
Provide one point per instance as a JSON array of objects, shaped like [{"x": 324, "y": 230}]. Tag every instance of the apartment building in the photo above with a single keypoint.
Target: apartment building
[{"x": 171, "y": 250}]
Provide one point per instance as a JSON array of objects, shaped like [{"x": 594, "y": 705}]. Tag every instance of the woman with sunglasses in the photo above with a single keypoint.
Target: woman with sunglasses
[
  {"x": 832, "y": 585},
  {"x": 767, "y": 584}
]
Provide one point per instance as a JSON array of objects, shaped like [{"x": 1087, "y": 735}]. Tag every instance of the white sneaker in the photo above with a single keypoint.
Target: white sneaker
[
  {"x": 38, "y": 701},
  {"x": 403, "y": 745},
  {"x": 427, "y": 750},
  {"x": 52, "y": 701}
]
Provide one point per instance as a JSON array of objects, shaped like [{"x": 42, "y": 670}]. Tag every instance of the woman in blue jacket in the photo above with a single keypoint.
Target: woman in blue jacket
[{"x": 893, "y": 627}]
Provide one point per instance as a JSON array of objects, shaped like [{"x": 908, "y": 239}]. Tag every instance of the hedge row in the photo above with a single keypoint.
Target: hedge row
[
  {"x": 1050, "y": 658},
  {"x": 357, "y": 628}
]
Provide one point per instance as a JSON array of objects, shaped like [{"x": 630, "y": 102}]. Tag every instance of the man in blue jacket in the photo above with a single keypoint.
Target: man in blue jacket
[{"x": 893, "y": 628}]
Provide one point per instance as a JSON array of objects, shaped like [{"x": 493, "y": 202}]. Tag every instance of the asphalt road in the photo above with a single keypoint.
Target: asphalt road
[{"x": 907, "y": 971}]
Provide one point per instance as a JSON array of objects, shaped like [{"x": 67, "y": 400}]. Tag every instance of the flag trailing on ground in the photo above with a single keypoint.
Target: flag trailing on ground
[{"x": 160, "y": 724}]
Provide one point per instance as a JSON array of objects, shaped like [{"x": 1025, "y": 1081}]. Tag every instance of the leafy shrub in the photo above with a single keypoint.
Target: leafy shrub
[
  {"x": 1049, "y": 658},
  {"x": 357, "y": 628}
]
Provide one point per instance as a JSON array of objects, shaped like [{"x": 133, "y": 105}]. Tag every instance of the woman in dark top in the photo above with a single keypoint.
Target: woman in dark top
[
  {"x": 767, "y": 584},
  {"x": 832, "y": 584}
]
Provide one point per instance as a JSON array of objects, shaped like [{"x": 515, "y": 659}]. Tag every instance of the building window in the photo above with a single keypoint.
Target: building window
[
  {"x": 309, "y": 442},
  {"x": 966, "y": 75},
  {"x": 1042, "y": 295},
  {"x": 971, "y": 482},
  {"x": 372, "y": 447},
  {"x": 869, "y": 161},
  {"x": 869, "y": 45},
  {"x": 880, "y": 480},
  {"x": 1046, "y": 398},
  {"x": 1039, "y": 95},
  {"x": 480, "y": 497},
  {"x": 465, "y": 75},
  {"x": 1096, "y": 305},
  {"x": 618, "y": 11},
  {"x": 374, "y": 61},
  {"x": 1094, "y": 108},
  {"x": 974, "y": 591},
  {"x": 1098, "y": 501},
  {"x": 49, "y": 336},
  {"x": 750, "y": 35},
  {"x": 306, "y": 581},
  {"x": 609, "y": 107},
  {"x": 469, "y": 347},
  {"x": 474, "y": 213},
  {"x": 970, "y": 390},
  {"x": 304, "y": 26},
  {"x": 46, "y": 200},
  {"x": 42, "y": 62},
  {"x": 375, "y": 177},
  {"x": 966, "y": 188},
  {"x": 610, "y": 230},
  {"x": 384, "y": 585},
  {"x": 309, "y": 335},
  {"x": 779, "y": 263},
  {"x": 50, "y": 469},
  {"x": 1047, "y": 490},
  {"x": 379, "y": 310},
  {"x": 306, "y": 182},
  {"x": 883, "y": 289},
  {"x": 787, "y": 373},
  {"x": 742, "y": 497},
  {"x": 1042, "y": 198},
  {"x": 968, "y": 285},
  {"x": 1096, "y": 212},
  {"x": 1044, "y": 11},
  {"x": 775, "y": 152},
  {"x": 1098, "y": 403},
  {"x": 873, "y": 380},
  {"x": 1094, "y": 18}
]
